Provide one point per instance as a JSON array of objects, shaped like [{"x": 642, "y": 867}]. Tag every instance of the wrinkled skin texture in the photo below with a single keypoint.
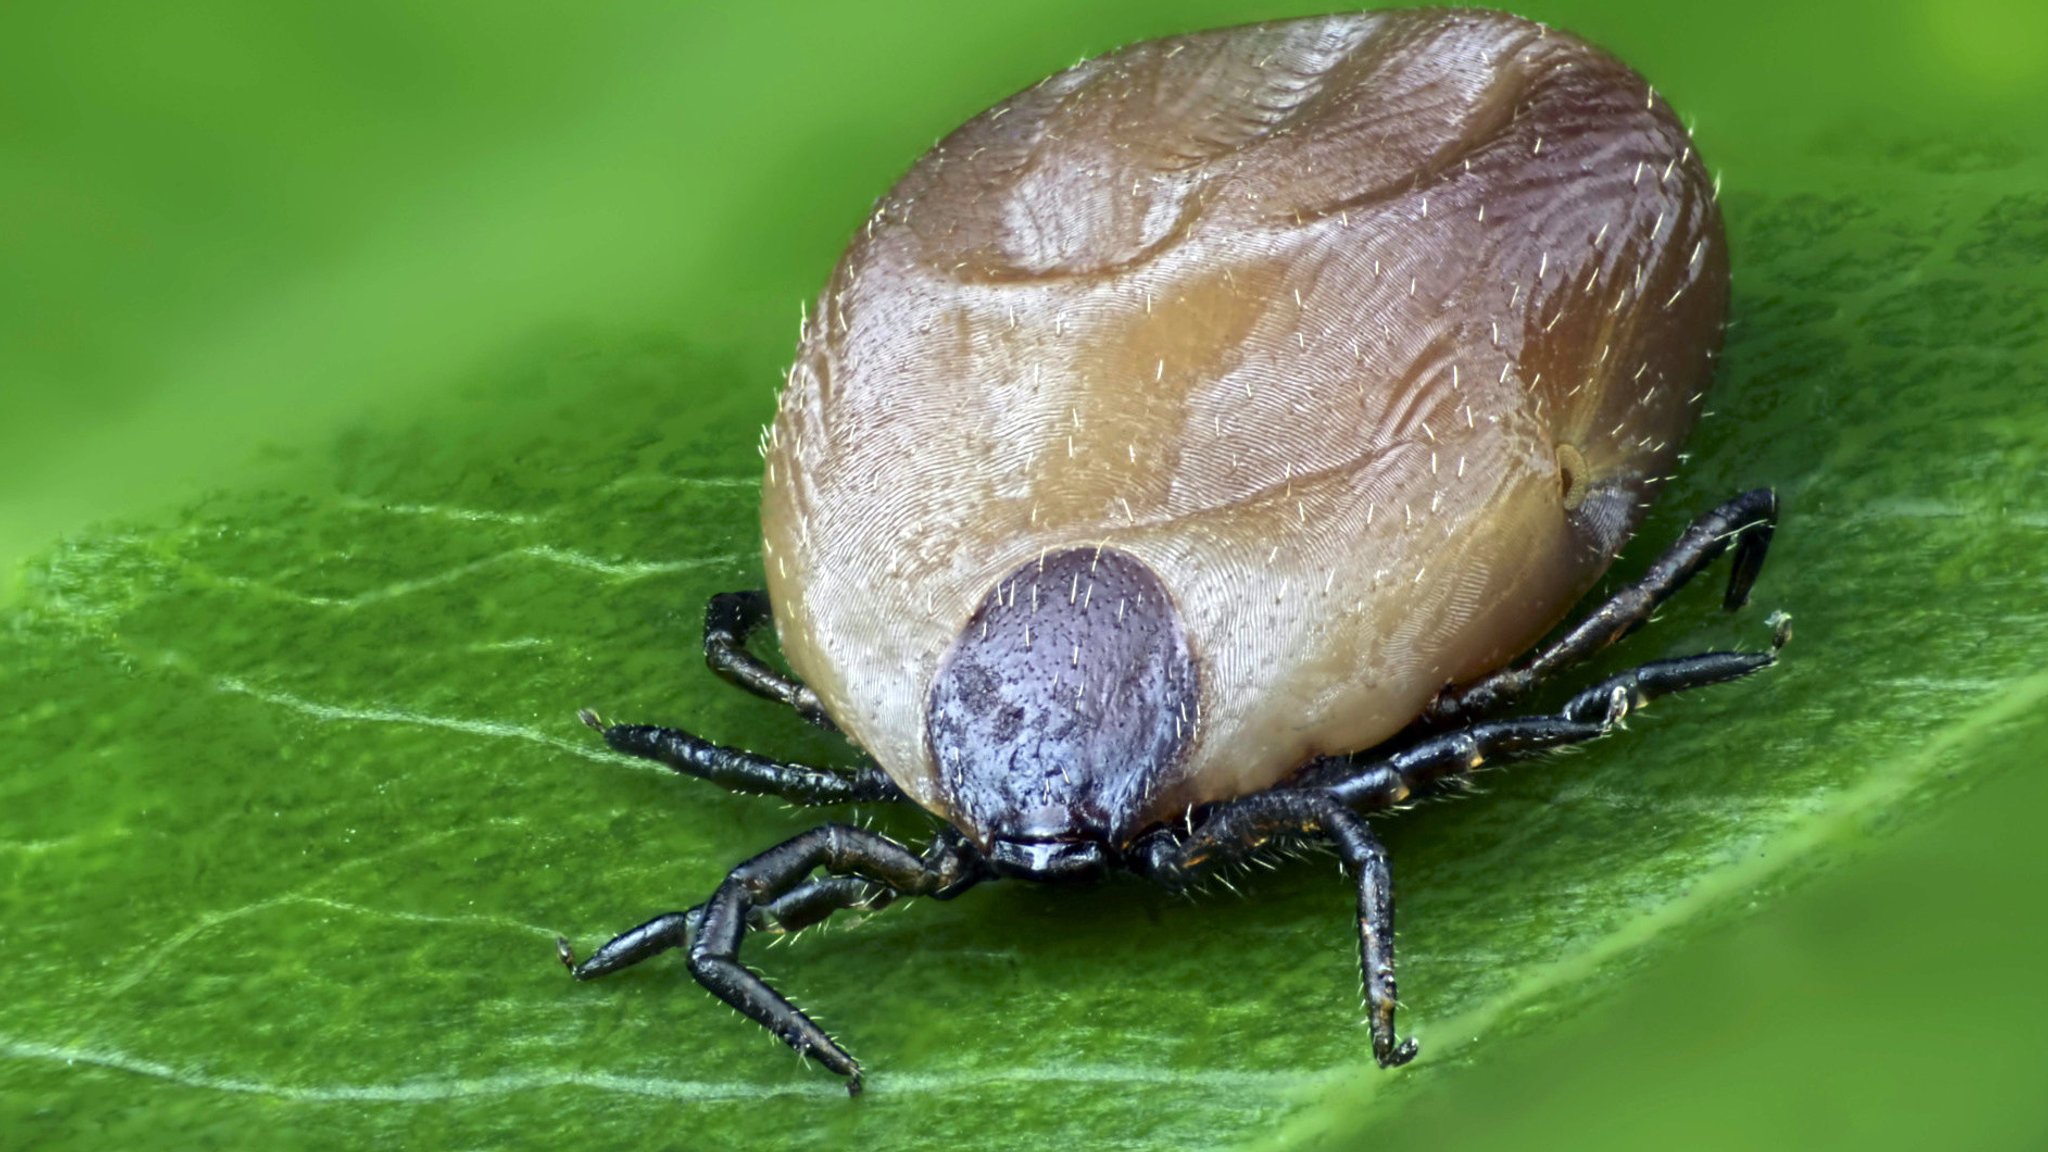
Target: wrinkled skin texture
[{"x": 1369, "y": 335}]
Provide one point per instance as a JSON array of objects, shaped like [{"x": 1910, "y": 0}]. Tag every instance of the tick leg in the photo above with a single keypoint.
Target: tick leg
[
  {"x": 642, "y": 942},
  {"x": 1747, "y": 521},
  {"x": 812, "y": 901},
  {"x": 842, "y": 850},
  {"x": 1236, "y": 830},
  {"x": 1420, "y": 768},
  {"x": 808, "y": 903},
  {"x": 1643, "y": 684},
  {"x": 743, "y": 771},
  {"x": 1424, "y": 768},
  {"x": 729, "y": 619}
]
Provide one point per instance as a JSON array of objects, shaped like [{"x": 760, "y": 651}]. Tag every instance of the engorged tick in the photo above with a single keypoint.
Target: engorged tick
[{"x": 1179, "y": 460}]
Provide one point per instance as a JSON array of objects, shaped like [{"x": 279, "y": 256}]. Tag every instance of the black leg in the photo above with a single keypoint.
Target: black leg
[
  {"x": 812, "y": 901},
  {"x": 807, "y": 904},
  {"x": 1238, "y": 829},
  {"x": 641, "y": 942},
  {"x": 1658, "y": 678},
  {"x": 743, "y": 771},
  {"x": 729, "y": 619},
  {"x": 947, "y": 868},
  {"x": 1438, "y": 760},
  {"x": 1747, "y": 521},
  {"x": 776, "y": 892},
  {"x": 1428, "y": 767}
]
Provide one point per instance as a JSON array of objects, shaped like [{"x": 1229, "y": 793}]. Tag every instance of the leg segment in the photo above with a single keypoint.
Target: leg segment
[
  {"x": 1432, "y": 763},
  {"x": 743, "y": 771},
  {"x": 946, "y": 868},
  {"x": 1234, "y": 830},
  {"x": 807, "y": 904},
  {"x": 816, "y": 899},
  {"x": 1639, "y": 686},
  {"x": 1747, "y": 521},
  {"x": 643, "y": 942},
  {"x": 1438, "y": 760},
  {"x": 1429, "y": 766},
  {"x": 729, "y": 619}
]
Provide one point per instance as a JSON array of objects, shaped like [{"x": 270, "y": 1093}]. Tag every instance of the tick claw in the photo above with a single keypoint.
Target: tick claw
[
  {"x": 1402, "y": 1053},
  {"x": 1781, "y": 629},
  {"x": 591, "y": 719},
  {"x": 1617, "y": 707},
  {"x": 565, "y": 953}
]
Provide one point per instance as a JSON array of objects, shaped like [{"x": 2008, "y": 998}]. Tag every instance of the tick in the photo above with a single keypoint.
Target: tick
[{"x": 1182, "y": 460}]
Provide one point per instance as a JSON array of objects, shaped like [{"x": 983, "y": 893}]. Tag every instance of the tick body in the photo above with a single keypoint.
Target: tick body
[{"x": 1181, "y": 457}]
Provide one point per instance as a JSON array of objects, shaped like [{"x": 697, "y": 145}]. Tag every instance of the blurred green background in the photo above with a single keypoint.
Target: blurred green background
[{"x": 262, "y": 265}]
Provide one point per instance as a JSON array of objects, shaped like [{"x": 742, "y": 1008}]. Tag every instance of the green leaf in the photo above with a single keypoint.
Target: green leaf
[{"x": 295, "y": 800}]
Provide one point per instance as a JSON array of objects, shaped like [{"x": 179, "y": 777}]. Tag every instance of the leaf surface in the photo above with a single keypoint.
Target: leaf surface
[{"x": 295, "y": 800}]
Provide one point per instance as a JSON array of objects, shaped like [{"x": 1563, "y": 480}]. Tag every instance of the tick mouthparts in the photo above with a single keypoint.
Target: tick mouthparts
[
  {"x": 1780, "y": 623},
  {"x": 1054, "y": 860}
]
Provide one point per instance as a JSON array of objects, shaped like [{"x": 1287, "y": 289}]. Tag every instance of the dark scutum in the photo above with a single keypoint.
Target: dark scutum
[{"x": 1068, "y": 698}]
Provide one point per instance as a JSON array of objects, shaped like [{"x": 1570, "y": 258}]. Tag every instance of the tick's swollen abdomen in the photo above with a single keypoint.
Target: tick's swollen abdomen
[{"x": 1369, "y": 336}]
